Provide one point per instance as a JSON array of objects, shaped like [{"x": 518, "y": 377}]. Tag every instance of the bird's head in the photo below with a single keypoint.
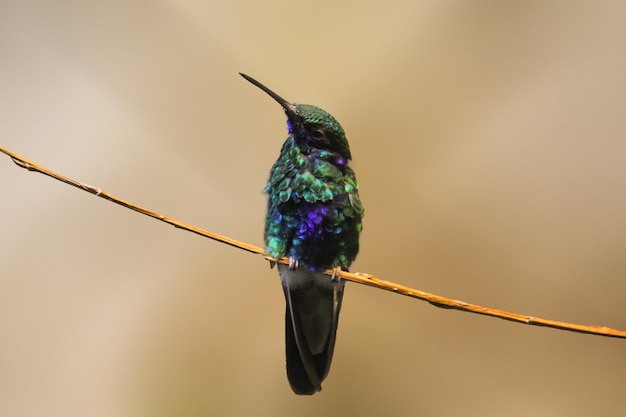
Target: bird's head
[{"x": 310, "y": 125}]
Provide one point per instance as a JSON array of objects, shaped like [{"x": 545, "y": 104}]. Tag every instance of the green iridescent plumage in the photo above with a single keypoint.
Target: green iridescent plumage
[{"x": 314, "y": 211}]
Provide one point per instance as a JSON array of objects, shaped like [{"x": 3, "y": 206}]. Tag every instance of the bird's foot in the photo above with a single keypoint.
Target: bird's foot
[
  {"x": 293, "y": 263},
  {"x": 336, "y": 275}
]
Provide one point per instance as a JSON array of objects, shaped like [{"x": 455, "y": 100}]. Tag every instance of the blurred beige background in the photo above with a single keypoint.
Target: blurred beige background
[{"x": 489, "y": 141}]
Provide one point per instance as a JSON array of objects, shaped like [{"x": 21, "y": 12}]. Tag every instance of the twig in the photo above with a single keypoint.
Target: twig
[{"x": 360, "y": 278}]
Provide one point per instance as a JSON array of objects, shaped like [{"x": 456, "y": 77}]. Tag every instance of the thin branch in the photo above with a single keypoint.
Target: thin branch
[{"x": 360, "y": 278}]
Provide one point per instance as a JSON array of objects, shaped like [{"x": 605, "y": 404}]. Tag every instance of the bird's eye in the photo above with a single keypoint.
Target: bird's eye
[{"x": 318, "y": 134}]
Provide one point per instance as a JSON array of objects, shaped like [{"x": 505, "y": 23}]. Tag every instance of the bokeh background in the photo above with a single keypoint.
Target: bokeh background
[{"x": 489, "y": 141}]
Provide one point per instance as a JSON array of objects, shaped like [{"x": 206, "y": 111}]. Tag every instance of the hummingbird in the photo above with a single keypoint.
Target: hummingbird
[{"x": 314, "y": 218}]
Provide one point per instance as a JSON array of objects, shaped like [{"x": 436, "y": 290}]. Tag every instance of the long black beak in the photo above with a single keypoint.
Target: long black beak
[{"x": 284, "y": 103}]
